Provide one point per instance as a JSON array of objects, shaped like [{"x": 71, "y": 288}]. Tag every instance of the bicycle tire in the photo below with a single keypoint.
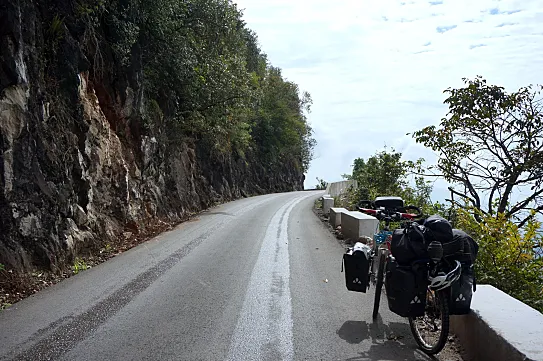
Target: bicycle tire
[
  {"x": 379, "y": 285},
  {"x": 443, "y": 298}
]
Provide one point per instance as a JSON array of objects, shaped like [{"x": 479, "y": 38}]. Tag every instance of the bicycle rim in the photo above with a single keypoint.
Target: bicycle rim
[{"x": 432, "y": 329}]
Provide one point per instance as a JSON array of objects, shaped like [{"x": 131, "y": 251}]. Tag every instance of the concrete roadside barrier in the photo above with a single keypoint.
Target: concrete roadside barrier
[
  {"x": 499, "y": 328},
  {"x": 327, "y": 203},
  {"x": 336, "y": 189},
  {"x": 335, "y": 216},
  {"x": 357, "y": 224}
]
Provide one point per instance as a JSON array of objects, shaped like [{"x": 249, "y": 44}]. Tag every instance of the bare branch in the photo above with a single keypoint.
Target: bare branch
[
  {"x": 519, "y": 206},
  {"x": 531, "y": 216},
  {"x": 463, "y": 195},
  {"x": 472, "y": 191}
]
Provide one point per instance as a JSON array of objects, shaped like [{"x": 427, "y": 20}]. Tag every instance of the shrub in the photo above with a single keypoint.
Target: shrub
[{"x": 509, "y": 256}]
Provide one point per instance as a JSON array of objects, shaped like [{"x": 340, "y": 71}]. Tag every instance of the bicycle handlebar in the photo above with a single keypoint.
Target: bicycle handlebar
[{"x": 389, "y": 215}]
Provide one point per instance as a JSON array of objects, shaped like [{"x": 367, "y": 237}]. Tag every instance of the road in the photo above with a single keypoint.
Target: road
[{"x": 243, "y": 281}]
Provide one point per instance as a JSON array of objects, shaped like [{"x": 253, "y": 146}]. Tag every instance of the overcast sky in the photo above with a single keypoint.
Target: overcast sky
[{"x": 376, "y": 70}]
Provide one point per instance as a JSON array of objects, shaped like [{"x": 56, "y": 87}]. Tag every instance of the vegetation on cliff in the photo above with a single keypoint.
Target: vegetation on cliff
[{"x": 204, "y": 76}]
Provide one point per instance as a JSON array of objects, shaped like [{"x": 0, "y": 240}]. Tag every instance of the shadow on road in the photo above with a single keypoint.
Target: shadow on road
[
  {"x": 204, "y": 214},
  {"x": 388, "y": 341}
]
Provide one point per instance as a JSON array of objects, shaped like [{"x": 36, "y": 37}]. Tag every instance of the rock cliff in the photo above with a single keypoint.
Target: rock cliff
[{"x": 77, "y": 169}]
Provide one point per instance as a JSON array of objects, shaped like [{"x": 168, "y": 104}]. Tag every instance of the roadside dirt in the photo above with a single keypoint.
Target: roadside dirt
[{"x": 15, "y": 287}]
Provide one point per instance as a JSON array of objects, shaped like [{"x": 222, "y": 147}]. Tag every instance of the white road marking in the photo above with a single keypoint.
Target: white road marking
[{"x": 264, "y": 327}]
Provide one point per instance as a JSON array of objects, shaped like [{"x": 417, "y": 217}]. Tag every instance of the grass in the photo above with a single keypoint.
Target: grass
[
  {"x": 318, "y": 204},
  {"x": 4, "y": 305},
  {"x": 79, "y": 265}
]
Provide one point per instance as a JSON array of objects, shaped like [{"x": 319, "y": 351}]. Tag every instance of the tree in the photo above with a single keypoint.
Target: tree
[
  {"x": 386, "y": 174},
  {"x": 204, "y": 71},
  {"x": 280, "y": 125},
  {"x": 490, "y": 145},
  {"x": 321, "y": 184},
  {"x": 382, "y": 174}
]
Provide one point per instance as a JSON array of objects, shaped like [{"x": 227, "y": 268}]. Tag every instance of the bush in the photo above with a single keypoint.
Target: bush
[
  {"x": 509, "y": 257},
  {"x": 321, "y": 184}
]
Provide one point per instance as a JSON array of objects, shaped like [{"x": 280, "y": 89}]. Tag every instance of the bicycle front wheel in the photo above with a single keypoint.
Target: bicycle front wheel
[
  {"x": 432, "y": 330},
  {"x": 379, "y": 284}
]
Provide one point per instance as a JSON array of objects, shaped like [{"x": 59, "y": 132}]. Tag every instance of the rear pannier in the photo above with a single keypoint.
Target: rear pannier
[
  {"x": 462, "y": 291},
  {"x": 406, "y": 288},
  {"x": 468, "y": 252}
]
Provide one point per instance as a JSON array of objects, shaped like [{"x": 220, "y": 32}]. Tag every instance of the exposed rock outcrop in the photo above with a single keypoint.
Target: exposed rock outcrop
[{"x": 76, "y": 171}]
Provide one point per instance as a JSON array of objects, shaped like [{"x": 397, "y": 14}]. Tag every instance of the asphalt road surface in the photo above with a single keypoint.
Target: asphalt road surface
[{"x": 244, "y": 281}]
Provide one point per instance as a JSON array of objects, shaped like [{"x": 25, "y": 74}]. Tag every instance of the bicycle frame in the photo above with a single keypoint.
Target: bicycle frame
[{"x": 382, "y": 237}]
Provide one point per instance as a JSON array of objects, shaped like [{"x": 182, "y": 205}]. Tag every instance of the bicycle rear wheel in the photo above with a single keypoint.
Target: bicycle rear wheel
[
  {"x": 432, "y": 330},
  {"x": 379, "y": 284}
]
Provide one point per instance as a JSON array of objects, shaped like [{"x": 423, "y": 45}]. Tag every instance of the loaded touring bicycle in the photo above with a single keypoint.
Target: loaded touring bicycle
[{"x": 425, "y": 266}]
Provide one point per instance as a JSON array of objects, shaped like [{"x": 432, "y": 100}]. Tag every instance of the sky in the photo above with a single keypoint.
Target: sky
[{"x": 376, "y": 70}]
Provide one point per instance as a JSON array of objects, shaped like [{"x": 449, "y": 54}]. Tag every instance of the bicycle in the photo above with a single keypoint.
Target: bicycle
[
  {"x": 380, "y": 253},
  {"x": 436, "y": 312}
]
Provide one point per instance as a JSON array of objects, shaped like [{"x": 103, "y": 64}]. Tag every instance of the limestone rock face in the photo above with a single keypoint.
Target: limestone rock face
[{"x": 75, "y": 170}]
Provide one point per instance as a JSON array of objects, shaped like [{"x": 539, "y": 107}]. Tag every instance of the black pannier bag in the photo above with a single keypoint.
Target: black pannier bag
[
  {"x": 357, "y": 268},
  {"x": 409, "y": 244},
  {"x": 462, "y": 291},
  {"x": 455, "y": 246},
  {"x": 439, "y": 229},
  {"x": 468, "y": 253},
  {"x": 406, "y": 288}
]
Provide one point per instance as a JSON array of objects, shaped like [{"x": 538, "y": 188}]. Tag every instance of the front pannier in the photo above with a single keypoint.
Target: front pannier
[{"x": 357, "y": 268}]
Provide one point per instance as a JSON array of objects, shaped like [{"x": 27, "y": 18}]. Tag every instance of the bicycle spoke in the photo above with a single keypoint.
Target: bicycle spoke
[{"x": 428, "y": 329}]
